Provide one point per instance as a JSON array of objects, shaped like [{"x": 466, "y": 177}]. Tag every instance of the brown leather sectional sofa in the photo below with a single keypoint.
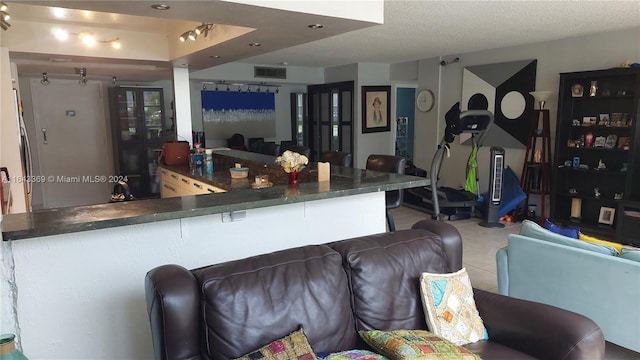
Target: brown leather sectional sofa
[{"x": 332, "y": 290}]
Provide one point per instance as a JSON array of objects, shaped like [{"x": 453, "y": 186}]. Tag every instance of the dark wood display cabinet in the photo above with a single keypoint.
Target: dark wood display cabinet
[
  {"x": 597, "y": 161},
  {"x": 139, "y": 128}
]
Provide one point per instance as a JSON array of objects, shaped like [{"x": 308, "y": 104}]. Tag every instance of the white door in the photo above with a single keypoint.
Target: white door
[{"x": 71, "y": 138}]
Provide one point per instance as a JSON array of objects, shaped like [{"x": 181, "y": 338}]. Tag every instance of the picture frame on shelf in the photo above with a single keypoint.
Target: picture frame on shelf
[
  {"x": 600, "y": 141},
  {"x": 610, "y": 142},
  {"x": 376, "y": 107},
  {"x": 577, "y": 90},
  {"x": 588, "y": 120},
  {"x": 607, "y": 215},
  {"x": 624, "y": 142},
  {"x": 604, "y": 120}
]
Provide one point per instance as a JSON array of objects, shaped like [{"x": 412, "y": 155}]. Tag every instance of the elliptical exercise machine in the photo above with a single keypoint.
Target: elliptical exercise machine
[{"x": 445, "y": 203}]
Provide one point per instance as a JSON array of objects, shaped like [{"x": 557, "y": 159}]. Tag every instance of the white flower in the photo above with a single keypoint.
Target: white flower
[{"x": 292, "y": 161}]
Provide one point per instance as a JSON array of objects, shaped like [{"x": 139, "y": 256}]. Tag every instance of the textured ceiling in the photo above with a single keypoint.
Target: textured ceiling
[{"x": 412, "y": 29}]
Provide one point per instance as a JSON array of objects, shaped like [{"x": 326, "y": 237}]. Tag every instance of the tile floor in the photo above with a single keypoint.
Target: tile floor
[{"x": 479, "y": 249}]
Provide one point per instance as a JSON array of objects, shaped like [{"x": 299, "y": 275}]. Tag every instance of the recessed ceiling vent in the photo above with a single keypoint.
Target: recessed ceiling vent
[{"x": 269, "y": 72}]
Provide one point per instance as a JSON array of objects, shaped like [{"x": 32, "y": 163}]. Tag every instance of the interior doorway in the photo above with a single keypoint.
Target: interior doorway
[
  {"x": 71, "y": 141},
  {"x": 330, "y": 118}
]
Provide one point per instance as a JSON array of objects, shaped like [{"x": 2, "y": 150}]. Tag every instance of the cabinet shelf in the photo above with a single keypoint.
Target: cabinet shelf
[
  {"x": 579, "y": 122},
  {"x": 593, "y": 171},
  {"x": 138, "y": 127}
]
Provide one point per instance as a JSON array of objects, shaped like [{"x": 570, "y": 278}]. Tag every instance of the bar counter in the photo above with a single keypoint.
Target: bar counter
[
  {"x": 239, "y": 196},
  {"x": 95, "y": 279}
]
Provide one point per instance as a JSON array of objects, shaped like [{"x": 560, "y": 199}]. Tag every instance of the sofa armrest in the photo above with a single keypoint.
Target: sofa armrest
[
  {"x": 542, "y": 331},
  {"x": 173, "y": 306},
  {"x": 451, "y": 240},
  {"x": 502, "y": 268}
]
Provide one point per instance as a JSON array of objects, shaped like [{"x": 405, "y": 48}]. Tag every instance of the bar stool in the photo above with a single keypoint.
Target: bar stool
[
  {"x": 389, "y": 164},
  {"x": 336, "y": 158}
]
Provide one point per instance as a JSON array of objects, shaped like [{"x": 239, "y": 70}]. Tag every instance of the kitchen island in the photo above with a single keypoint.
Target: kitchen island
[{"x": 88, "y": 263}]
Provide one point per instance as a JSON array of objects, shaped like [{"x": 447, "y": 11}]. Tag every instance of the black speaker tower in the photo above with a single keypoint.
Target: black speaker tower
[{"x": 494, "y": 198}]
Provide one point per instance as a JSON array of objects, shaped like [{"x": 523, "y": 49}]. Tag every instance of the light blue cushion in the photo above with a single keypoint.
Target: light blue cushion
[
  {"x": 532, "y": 229},
  {"x": 630, "y": 254}
]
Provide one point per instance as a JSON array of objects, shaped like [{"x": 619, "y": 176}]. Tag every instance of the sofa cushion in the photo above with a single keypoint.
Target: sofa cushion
[
  {"x": 630, "y": 253},
  {"x": 248, "y": 303},
  {"x": 451, "y": 311},
  {"x": 594, "y": 240},
  {"x": 356, "y": 355},
  {"x": 294, "y": 346},
  {"x": 532, "y": 229},
  {"x": 414, "y": 344},
  {"x": 380, "y": 266}
]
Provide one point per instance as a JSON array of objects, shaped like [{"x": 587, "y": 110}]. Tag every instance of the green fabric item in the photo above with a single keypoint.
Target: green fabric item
[{"x": 472, "y": 185}]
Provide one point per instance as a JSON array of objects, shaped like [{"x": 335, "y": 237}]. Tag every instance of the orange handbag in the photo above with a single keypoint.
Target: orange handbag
[{"x": 175, "y": 153}]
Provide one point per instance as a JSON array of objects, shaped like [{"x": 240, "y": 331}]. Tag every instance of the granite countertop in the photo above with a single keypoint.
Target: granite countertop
[{"x": 344, "y": 182}]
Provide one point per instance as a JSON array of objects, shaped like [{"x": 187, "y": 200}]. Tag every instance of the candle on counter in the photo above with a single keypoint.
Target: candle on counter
[
  {"x": 323, "y": 171},
  {"x": 576, "y": 208}
]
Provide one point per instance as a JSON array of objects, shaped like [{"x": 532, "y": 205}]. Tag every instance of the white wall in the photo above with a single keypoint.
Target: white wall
[{"x": 598, "y": 51}]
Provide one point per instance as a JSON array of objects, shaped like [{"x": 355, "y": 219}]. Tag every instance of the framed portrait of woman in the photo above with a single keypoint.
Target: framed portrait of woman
[{"x": 376, "y": 108}]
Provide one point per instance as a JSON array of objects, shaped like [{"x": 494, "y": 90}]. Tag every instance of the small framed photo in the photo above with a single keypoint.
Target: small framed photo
[
  {"x": 588, "y": 120},
  {"x": 624, "y": 142},
  {"x": 607, "y": 215},
  {"x": 577, "y": 90},
  {"x": 600, "y": 141},
  {"x": 604, "y": 120}
]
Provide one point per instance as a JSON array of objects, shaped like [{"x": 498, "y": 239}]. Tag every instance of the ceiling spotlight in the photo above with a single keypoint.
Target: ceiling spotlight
[
  {"x": 87, "y": 38},
  {"x": 5, "y": 16},
  {"x": 4, "y": 25},
  {"x": 184, "y": 36},
  {"x": 201, "y": 29},
  {"x": 60, "y": 34},
  {"x": 204, "y": 87},
  {"x": 315, "y": 26},
  {"x": 3, "y": 6},
  {"x": 239, "y": 89},
  {"x": 114, "y": 80},
  {"x": 115, "y": 43},
  {"x": 255, "y": 44},
  {"x": 160, "y": 7},
  {"x": 268, "y": 90},
  {"x": 192, "y": 35},
  {"x": 45, "y": 80},
  {"x": 248, "y": 88},
  {"x": 277, "y": 90}
]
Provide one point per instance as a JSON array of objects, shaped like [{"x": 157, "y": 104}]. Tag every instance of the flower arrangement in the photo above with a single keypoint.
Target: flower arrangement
[{"x": 292, "y": 161}]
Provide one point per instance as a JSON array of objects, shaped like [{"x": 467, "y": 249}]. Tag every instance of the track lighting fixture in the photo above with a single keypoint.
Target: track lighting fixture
[
  {"x": 445, "y": 63},
  {"x": 220, "y": 85},
  {"x": 83, "y": 76},
  {"x": 4, "y": 16},
  {"x": 45, "y": 79},
  {"x": 114, "y": 81},
  {"x": 192, "y": 35},
  {"x": 86, "y": 37}
]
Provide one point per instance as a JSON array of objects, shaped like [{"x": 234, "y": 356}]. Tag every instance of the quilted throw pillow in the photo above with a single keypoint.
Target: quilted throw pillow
[
  {"x": 449, "y": 307},
  {"x": 414, "y": 344},
  {"x": 291, "y": 347}
]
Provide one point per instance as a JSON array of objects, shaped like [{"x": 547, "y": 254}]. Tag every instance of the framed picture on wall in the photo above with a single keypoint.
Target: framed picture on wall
[{"x": 376, "y": 107}]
